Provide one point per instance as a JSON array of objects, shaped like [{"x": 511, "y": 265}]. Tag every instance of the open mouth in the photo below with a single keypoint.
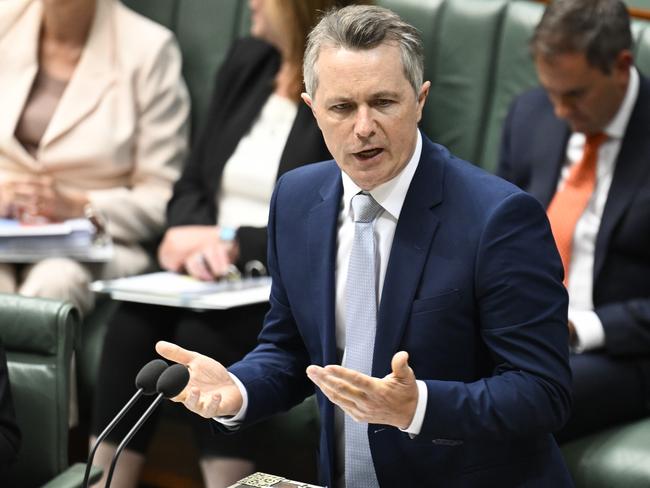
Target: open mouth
[{"x": 368, "y": 153}]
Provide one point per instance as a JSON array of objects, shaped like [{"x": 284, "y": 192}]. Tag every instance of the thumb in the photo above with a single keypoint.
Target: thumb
[{"x": 400, "y": 365}]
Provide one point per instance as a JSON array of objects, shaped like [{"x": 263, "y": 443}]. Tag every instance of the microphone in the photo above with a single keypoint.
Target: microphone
[
  {"x": 145, "y": 382},
  {"x": 171, "y": 383}
]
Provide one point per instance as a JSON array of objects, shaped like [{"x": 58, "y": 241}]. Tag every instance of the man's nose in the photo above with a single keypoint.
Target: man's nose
[
  {"x": 364, "y": 125},
  {"x": 563, "y": 108}
]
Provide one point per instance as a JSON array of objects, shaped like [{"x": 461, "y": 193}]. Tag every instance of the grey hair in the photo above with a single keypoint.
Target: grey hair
[
  {"x": 600, "y": 29},
  {"x": 360, "y": 27}
]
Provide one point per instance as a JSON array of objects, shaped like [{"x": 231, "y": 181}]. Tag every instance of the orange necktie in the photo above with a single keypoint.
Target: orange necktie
[{"x": 571, "y": 199}]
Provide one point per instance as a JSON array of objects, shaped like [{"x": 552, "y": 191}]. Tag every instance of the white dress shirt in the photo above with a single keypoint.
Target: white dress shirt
[{"x": 589, "y": 329}]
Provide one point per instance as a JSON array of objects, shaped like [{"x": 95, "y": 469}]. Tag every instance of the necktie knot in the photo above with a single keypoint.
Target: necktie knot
[
  {"x": 593, "y": 141},
  {"x": 364, "y": 207}
]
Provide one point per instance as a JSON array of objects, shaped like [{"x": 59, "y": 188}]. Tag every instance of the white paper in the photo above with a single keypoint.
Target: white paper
[{"x": 177, "y": 290}]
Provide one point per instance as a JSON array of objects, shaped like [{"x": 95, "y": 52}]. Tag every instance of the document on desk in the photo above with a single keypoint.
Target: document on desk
[
  {"x": 178, "y": 290},
  {"x": 265, "y": 480},
  {"x": 75, "y": 238}
]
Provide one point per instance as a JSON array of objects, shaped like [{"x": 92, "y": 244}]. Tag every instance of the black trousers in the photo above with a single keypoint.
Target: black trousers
[
  {"x": 225, "y": 335},
  {"x": 606, "y": 391}
]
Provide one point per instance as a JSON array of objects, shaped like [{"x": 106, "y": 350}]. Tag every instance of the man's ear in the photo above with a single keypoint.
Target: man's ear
[
  {"x": 424, "y": 91},
  {"x": 307, "y": 99},
  {"x": 422, "y": 97},
  {"x": 624, "y": 61},
  {"x": 310, "y": 103}
]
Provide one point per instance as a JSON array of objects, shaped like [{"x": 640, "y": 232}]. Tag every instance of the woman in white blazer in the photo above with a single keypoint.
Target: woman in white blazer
[{"x": 94, "y": 119}]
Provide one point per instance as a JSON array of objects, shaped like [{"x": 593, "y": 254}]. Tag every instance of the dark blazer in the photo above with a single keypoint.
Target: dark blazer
[
  {"x": 472, "y": 291},
  {"x": 243, "y": 84},
  {"x": 532, "y": 155}
]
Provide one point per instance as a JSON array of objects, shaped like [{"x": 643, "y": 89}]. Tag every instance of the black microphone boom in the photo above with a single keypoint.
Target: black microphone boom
[
  {"x": 171, "y": 383},
  {"x": 145, "y": 382}
]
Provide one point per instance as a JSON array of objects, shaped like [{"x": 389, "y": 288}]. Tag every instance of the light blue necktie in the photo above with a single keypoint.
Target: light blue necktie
[{"x": 360, "y": 327}]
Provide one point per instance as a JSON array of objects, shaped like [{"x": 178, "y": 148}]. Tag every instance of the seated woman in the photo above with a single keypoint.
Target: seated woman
[
  {"x": 256, "y": 130},
  {"x": 95, "y": 119}
]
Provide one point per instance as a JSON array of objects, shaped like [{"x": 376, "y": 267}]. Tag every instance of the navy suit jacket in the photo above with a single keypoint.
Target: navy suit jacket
[
  {"x": 532, "y": 155},
  {"x": 472, "y": 291}
]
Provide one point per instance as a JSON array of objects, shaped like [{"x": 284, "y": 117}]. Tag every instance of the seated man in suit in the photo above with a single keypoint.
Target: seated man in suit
[
  {"x": 581, "y": 145},
  {"x": 419, "y": 294}
]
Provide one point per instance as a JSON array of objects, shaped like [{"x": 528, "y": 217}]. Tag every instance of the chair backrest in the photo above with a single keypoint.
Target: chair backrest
[
  {"x": 39, "y": 336},
  {"x": 476, "y": 57}
]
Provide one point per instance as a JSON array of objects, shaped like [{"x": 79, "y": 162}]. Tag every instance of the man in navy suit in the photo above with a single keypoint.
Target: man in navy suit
[
  {"x": 582, "y": 51},
  {"x": 469, "y": 366}
]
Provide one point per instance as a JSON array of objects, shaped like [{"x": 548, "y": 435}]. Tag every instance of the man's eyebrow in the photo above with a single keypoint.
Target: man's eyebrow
[
  {"x": 385, "y": 94},
  {"x": 377, "y": 95},
  {"x": 564, "y": 93}
]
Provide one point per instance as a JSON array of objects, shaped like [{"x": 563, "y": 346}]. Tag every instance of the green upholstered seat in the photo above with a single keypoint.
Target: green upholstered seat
[
  {"x": 618, "y": 457},
  {"x": 39, "y": 337}
]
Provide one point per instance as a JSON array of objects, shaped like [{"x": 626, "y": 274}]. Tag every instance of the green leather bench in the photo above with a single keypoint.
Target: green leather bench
[
  {"x": 477, "y": 60},
  {"x": 39, "y": 336}
]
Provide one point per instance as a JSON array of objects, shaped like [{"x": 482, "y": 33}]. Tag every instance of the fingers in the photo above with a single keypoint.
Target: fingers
[
  {"x": 342, "y": 386},
  {"x": 216, "y": 257},
  {"x": 390, "y": 400},
  {"x": 35, "y": 197},
  {"x": 175, "y": 353},
  {"x": 197, "y": 267},
  {"x": 205, "y": 405}
]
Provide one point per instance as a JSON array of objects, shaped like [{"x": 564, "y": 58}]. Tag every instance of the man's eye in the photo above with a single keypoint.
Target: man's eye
[
  {"x": 340, "y": 107},
  {"x": 383, "y": 102}
]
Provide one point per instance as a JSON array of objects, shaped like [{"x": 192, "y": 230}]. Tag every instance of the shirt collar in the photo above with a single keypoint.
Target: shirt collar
[
  {"x": 616, "y": 127},
  {"x": 391, "y": 194}
]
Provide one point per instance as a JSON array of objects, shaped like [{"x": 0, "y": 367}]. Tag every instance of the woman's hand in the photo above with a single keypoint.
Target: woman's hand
[
  {"x": 180, "y": 242},
  {"x": 39, "y": 198}
]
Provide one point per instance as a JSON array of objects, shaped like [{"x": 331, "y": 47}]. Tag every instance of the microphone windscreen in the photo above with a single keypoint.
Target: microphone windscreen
[
  {"x": 173, "y": 380},
  {"x": 147, "y": 377}
]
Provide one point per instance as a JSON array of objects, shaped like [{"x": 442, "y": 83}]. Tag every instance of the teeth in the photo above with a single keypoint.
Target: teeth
[{"x": 369, "y": 153}]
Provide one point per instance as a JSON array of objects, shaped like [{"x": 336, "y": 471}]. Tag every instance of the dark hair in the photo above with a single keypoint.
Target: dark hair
[{"x": 598, "y": 28}]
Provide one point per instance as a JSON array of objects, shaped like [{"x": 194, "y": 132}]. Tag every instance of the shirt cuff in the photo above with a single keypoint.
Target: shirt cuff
[
  {"x": 590, "y": 333},
  {"x": 418, "y": 417},
  {"x": 238, "y": 418}
]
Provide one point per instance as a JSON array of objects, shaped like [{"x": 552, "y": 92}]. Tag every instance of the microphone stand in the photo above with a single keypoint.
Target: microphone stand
[
  {"x": 130, "y": 435},
  {"x": 107, "y": 431}
]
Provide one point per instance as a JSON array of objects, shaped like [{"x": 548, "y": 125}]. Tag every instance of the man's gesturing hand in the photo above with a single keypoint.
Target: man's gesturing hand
[
  {"x": 211, "y": 391},
  {"x": 390, "y": 400}
]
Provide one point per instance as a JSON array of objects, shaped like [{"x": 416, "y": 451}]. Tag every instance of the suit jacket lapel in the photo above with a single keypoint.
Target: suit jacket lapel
[
  {"x": 413, "y": 236},
  {"x": 549, "y": 156},
  {"x": 631, "y": 171},
  {"x": 322, "y": 228},
  {"x": 19, "y": 54},
  {"x": 92, "y": 76}
]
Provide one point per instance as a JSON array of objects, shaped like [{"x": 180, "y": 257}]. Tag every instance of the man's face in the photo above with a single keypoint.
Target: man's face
[
  {"x": 583, "y": 95},
  {"x": 367, "y": 111}
]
